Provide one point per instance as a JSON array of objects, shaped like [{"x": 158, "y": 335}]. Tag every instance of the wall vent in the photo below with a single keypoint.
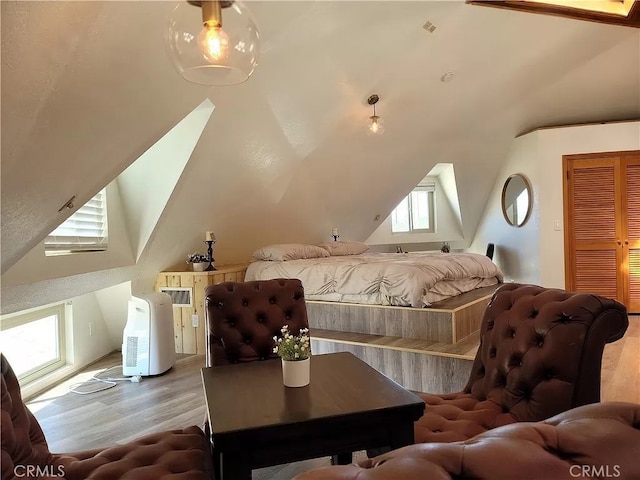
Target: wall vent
[
  {"x": 429, "y": 27},
  {"x": 180, "y": 296}
]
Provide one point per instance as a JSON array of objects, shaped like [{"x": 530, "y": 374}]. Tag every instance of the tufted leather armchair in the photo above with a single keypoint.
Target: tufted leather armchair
[
  {"x": 593, "y": 441},
  {"x": 171, "y": 455},
  {"x": 242, "y": 318},
  {"x": 540, "y": 354}
]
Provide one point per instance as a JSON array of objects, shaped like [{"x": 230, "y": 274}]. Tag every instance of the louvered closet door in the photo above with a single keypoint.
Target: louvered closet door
[
  {"x": 592, "y": 226},
  {"x": 632, "y": 238}
]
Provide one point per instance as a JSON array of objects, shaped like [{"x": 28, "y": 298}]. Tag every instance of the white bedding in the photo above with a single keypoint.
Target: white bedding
[{"x": 410, "y": 279}]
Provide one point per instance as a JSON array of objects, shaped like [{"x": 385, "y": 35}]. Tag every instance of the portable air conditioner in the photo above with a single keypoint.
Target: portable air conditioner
[{"x": 147, "y": 342}]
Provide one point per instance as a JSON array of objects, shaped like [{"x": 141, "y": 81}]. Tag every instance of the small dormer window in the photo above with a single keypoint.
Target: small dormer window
[
  {"x": 84, "y": 231},
  {"x": 34, "y": 341},
  {"x": 416, "y": 212}
]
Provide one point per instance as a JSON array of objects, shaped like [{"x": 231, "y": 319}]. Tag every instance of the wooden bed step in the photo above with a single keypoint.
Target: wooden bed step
[
  {"x": 464, "y": 349},
  {"x": 448, "y": 321},
  {"x": 418, "y": 365}
]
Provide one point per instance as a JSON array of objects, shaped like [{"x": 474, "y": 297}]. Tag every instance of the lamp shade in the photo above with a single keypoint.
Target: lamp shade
[{"x": 224, "y": 55}]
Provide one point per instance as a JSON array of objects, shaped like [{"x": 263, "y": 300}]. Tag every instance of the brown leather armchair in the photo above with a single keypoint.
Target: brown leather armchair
[
  {"x": 175, "y": 455},
  {"x": 540, "y": 354},
  {"x": 600, "y": 440},
  {"x": 243, "y": 318}
]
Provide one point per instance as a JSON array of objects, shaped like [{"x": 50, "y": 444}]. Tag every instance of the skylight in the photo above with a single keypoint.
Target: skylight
[
  {"x": 617, "y": 12},
  {"x": 615, "y": 7}
]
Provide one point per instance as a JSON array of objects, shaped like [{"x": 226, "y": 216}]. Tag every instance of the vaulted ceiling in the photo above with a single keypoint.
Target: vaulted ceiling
[{"x": 87, "y": 88}]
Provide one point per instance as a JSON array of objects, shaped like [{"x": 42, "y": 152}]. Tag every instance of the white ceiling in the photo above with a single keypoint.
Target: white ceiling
[{"x": 87, "y": 87}]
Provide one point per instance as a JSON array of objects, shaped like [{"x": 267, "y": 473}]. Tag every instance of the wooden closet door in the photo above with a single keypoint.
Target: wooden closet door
[
  {"x": 593, "y": 243},
  {"x": 631, "y": 244}
]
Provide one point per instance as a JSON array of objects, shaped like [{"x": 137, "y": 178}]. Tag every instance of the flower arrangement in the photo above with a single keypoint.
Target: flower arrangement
[
  {"x": 197, "y": 257},
  {"x": 292, "y": 347}
]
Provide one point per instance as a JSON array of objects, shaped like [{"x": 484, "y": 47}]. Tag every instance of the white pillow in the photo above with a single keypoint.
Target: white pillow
[
  {"x": 344, "y": 248},
  {"x": 289, "y": 251}
]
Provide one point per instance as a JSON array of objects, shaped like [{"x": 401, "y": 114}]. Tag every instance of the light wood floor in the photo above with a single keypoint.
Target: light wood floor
[
  {"x": 174, "y": 400},
  {"x": 73, "y": 422},
  {"x": 621, "y": 366}
]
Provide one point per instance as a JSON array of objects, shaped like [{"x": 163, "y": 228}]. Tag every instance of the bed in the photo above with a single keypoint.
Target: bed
[{"x": 397, "y": 279}]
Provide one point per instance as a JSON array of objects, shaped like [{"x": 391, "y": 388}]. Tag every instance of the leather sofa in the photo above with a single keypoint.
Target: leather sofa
[
  {"x": 170, "y": 455},
  {"x": 600, "y": 440}
]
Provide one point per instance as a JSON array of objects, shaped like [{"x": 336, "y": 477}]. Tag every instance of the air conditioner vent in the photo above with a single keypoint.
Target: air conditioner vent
[
  {"x": 180, "y": 296},
  {"x": 131, "y": 359}
]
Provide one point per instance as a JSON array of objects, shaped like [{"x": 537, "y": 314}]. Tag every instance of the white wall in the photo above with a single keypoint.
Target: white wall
[
  {"x": 517, "y": 249},
  {"x": 90, "y": 336},
  {"x": 113, "y": 302},
  {"x": 534, "y": 253},
  {"x": 147, "y": 184}
]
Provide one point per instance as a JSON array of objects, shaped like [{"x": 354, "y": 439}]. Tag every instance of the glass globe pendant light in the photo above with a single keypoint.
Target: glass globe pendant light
[{"x": 213, "y": 42}]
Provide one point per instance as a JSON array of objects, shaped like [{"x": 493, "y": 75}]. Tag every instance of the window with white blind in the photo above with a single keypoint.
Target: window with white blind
[
  {"x": 84, "y": 231},
  {"x": 416, "y": 212}
]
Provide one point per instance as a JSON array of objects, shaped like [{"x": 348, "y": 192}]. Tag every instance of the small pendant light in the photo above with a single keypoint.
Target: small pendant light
[
  {"x": 375, "y": 122},
  {"x": 213, "y": 42}
]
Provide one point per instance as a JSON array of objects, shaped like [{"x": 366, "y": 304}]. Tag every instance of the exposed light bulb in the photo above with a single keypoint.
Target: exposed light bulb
[
  {"x": 375, "y": 126},
  {"x": 224, "y": 52},
  {"x": 213, "y": 43}
]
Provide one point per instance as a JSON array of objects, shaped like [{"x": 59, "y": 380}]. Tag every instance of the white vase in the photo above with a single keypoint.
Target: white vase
[
  {"x": 200, "y": 266},
  {"x": 296, "y": 373}
]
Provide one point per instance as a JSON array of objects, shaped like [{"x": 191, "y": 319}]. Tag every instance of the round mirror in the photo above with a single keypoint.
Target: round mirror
[{"x": 516, "y": 200}]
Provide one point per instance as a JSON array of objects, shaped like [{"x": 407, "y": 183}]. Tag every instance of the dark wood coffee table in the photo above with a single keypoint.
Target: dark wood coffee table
[{"x": 257, "y": 422}]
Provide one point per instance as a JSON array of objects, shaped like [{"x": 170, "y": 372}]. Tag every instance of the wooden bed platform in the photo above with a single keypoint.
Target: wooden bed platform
[
  {"x": 428, "y": 350},
  {"x": 448, "y": 321}
]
